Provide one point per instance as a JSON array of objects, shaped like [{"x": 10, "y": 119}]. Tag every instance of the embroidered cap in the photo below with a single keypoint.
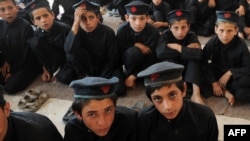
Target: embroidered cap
[
  {"x": 137, "y": 8},
  {"x": 88, "y": 5},
  {"x": 161, "y": 73},
  {"x": 94, "y": 87},
  {"x": 229, "y": 16},
  {"x": 178, "y": 14},
  {"x": 2, "y": 101},
  {"x": 35, "y": 4}
]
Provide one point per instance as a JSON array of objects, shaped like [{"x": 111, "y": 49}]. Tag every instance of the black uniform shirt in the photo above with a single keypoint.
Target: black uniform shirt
[
  {"x": 56, "y": 36},
  {"x": 165, "y": 53},
  {"x": 194, "y": 123},
  {"x": 13, "y": 43},
  {"x": 219, "y": 58},
  {"x": 122, "y": 129},
  {"x": 100, "y": 44},
  {"x": 27, "y": 126},
  {"x": 127, "y": 37},
  {"x": 164, "y": 8}
]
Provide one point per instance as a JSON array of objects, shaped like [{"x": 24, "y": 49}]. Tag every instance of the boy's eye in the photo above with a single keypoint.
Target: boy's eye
[
  {"x": 157, "y": 99},
  {"x": 172, "y": 95},
  {"x": 91, "y": 114}
]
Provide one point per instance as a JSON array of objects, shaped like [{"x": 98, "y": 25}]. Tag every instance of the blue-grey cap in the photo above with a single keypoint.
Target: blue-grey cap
[
  {"x": 178, "y": 14},
  {"x": 137, "y": 8},
  {"x": 229, "y": 16},
  {"x": 94, "y": 87},
  {"x": 89, "y": 5},
  {"x": 161, "y": 73}
]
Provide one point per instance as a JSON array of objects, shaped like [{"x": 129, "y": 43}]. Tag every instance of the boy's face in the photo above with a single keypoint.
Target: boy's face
[
  {"x": 8, "y": 11},
  {"x": 98, "y": 115},
  {"x": 157, "y": 2},
  {"x": 43, "y": 18},
  {"x": 137, "y": 22},
  {"x": 180, "y": 29},
  {"x": 226, "y": 32},
  {"x": 4, "y": 114},
  {"x": 89, "y": 21},
  {"x": 248, "y": 1},
  {"x": 168, "y": 100}
]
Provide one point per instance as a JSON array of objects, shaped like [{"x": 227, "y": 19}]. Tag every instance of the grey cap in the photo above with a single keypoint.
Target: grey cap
[
  {"x": 94, "y": 87},
  {"x": 161, "y": 73}
]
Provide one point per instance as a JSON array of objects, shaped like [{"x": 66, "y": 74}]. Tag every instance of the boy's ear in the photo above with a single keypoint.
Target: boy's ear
[
  {"x": 78, "y": 115},
  {"x": 7, "y": 109},
  {"x": 215, "y": 29},
  {"x": 185, "y": 90},
  {"x": 126, "y": 17}
]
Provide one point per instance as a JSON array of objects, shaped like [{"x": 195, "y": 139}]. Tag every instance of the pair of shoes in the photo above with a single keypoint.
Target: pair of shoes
[
  {"x": 68, "y": 115},
  {"x": 32, "y": 100}
]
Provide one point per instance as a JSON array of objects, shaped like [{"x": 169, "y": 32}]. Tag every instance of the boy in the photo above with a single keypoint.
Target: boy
[
  {"x": 170, "y": 117},
  {"x": 137, "y": 40},
  {"x": 25, "y": 126},
  {"x": 97, "y": 116},
  {"x": 158, "y": 14},
  {"x": 179, "y": 45},
  {"x": 18, "y": 64},
  {"x": 226, "y": 66},
  {"x": 48, "y": 40},
  {"x": 91, "y": 48}
]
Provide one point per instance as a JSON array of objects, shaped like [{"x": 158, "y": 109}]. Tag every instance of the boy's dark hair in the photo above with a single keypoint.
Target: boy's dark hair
[
  {"x": 13, "y": 1},
  {"x": 79, "y": 103},
  {"x": 218, "y": 22},
  {"x": 150, "y": 90},
  {"x": 47, "y": 8},
  {"x": 2, "y": 105},
  {"x": 172, "y": 21}
]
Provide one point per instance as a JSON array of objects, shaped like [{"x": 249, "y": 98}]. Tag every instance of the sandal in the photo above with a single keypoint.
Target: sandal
[
  {"x": 32, "y": 101},
  {"x": 137, "y": 106}
]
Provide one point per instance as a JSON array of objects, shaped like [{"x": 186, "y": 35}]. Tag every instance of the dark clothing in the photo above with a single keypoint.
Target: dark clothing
[
  {"x": 245, "y": 20},
  {"x": 93, "y": 54},
  {"x": 49, "y": 46},
  {"x": 219, "y": 58},
  {"x": 195, "y": 122},
  {"x": 205, "y": 25},
  {"x": 68, "y": 14},
  {"x": 17, "y": 53},
  {"x": 159, "y": 12},
  {"x": 24, "y": 126},
  {"x": 132, "y": 57},
  {"x": 232, "y": 5},
  {"x": 123, "y": 128},
  {"x": 189, "y": 57}
]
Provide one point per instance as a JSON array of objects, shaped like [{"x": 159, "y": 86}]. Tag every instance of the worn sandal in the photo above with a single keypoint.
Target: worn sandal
[
  {"x": 32, "y": 101},
  {"x": 137, "y": 106},
  {"x": 68, "y": 115}
]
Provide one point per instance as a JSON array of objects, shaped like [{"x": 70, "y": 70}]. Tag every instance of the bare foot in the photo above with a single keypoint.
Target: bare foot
[
  {"x": 130, "y": 81},
  {"x": 229, "y": 97},
  {"x": 197, "y": 99}
]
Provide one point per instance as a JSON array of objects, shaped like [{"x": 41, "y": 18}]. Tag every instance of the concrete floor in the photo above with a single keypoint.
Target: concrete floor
[{"x": 61, "y": 97}]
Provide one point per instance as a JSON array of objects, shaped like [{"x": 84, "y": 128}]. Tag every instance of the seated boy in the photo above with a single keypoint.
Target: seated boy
[
  {"x": 48, "y": 40},
  {"x": 171, "y": 117},
  {"x": 244, "y": 24},
  {"x": 137, "y": 40},
  {"x": 97, "y": 116},
  {"x": 226, "y": 65},
  {"x": 18, "y": 64},
  {"x": 91, "y": 48},
  {"x": 25, "y": 126},
  {"x": 179, "y": 45},
  {"x": 158, "y": 14}
]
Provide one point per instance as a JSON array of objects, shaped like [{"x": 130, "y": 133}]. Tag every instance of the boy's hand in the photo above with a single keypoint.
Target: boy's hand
[
  {"x": 194, "y": 45},
  {"x": 217, "y": 90},
  {"x": 78, "y": 14},
  {"x": 174, "y": 46},
  {"x": 240, "y": 10},
  {"x": 144, "y": 49},
  {"x": 224, "y": 79}
]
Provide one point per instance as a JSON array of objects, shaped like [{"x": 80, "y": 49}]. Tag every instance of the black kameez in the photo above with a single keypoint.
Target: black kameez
[
  {"x": 195, "y": 122},
  {"x": 123, "y": 128}
]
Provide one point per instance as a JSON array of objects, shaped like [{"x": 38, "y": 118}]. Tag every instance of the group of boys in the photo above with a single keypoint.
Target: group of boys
[{"x": 89, "y": 57}]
